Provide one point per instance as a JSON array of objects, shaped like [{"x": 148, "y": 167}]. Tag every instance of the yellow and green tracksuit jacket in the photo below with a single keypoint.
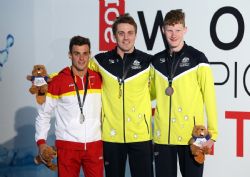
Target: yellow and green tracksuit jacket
[
  {"x": 126, "y": 104},
  {"x": 194, "y": 94}
]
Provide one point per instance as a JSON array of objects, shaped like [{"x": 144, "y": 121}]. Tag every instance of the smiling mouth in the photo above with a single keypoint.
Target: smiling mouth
[
  {"x": 126, "y": 42},
  {"x": 173, "y": 40}
]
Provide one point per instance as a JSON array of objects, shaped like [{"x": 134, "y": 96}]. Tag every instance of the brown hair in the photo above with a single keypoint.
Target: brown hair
[
  {"x": 125, "y": 18},
  {"x": 78, "y": 40},
  {"x": 174, "y": 17}
]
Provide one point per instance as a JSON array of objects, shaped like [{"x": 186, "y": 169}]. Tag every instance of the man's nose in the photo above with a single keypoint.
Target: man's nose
[{"x": 126, "y": 36}]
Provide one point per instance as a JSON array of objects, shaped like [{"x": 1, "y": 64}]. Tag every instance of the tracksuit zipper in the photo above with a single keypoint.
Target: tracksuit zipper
[
  {"x": 171, "y": 75},
  {"x": 123, "y": 97},
  {"x": 124, "y": 122},
  {"x": 169, "y": 118}
]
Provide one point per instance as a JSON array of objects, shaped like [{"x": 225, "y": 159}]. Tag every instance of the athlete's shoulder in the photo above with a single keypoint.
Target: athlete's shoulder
[
  {"x": 103, "y": 55},
  {"x": 141, "y": 53},
  {"x": 196, "y": 54}
]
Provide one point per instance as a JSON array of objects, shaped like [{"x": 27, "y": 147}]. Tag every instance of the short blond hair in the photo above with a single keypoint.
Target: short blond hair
[{"x": 173, "y": 17}]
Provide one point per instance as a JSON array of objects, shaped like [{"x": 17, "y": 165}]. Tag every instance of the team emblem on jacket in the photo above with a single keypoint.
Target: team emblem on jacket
[
  {"x": 136, "y": 65},
  {"x": 162, "y": 60},
  {"x": 111, "y": 61},
  {"x": 184, "y": 62},
  {"x": 72, "y": 85},
  {"x": 92, "y": 80}
]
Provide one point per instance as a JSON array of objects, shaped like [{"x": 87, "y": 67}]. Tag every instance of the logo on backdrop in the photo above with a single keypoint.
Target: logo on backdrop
[
  {"x": 108, "y": 10},
  {"x": 4, "y": 53}
]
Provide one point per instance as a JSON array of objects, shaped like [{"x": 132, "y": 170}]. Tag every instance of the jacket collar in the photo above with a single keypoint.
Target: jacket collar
[
  {"x": 115, "y": 54},
  {"x": 177, "y": 54}
]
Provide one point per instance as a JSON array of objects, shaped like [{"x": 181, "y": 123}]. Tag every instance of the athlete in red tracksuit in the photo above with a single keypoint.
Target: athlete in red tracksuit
[{"x": 74, "y": 96}]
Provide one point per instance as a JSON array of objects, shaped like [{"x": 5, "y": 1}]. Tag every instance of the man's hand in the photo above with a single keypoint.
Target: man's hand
[
  {"x": 42, "y": 147},
  {"x": 208, "y": 144}
]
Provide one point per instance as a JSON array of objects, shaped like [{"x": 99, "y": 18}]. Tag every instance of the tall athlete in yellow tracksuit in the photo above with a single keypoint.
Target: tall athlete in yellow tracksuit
[
  {"x": 126, "y": 105},
  {"x": 183, "y": 86}
]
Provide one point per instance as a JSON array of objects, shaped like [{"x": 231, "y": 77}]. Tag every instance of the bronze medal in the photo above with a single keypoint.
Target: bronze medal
[
  {"x": 169, "y": 91},
  {"x": 173, "y": 66}
]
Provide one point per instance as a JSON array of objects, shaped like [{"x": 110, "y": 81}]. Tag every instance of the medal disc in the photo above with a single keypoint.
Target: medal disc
[
  {"x": 82, "y": 118},
  {"x": 169, "y": 91}
]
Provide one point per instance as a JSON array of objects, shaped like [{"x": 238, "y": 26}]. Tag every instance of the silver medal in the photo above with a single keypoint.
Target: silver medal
[
  {"x": 169, "y": 91},
  {"x": 82, "y": 118}
]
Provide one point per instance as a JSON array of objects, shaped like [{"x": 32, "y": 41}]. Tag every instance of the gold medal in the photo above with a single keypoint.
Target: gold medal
[{"x": 169, "y": 91}]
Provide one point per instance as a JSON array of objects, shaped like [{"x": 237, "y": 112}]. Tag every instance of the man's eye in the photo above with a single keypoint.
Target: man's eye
[
  {"x": 131, "y": 32},
  {"x": 120, "y": 33}
]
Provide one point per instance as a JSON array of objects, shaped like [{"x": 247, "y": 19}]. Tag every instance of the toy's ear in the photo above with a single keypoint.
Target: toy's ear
[
  {"x": 44, "y": 68},
  {"x": 34, "y": 69},
  {"x": 195, "y": 130},
  {"x": 28, "y": 77}
]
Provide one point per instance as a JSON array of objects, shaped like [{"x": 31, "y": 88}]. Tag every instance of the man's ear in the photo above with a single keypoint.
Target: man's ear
[
  {"x": 69, "y": 54},
  {"x": 185, "y": 31},
  {"x": 114, "y": 38},
  {"x": 163, "y": 31}
]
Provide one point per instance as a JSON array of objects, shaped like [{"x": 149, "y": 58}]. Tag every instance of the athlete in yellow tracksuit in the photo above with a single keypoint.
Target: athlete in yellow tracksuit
[
  {"x": 193, "y": 87},
  {"x": 183, "y": 85},
  {"x": 126, "y": 110},
  {"x": 126, "y": 104}
]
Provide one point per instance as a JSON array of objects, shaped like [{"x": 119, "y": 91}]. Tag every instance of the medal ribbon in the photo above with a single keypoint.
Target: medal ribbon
[
  {"x": 77, "y": 91},
  {"x": 172, "y": 71},
  {"x": 125, "y": 72}
]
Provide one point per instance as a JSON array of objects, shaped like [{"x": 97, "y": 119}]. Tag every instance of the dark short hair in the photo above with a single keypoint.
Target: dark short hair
[
  {"x": 78, "y": 40},
  {"x": 125, "y": 18},
  {"x": 174, "y": 17}
]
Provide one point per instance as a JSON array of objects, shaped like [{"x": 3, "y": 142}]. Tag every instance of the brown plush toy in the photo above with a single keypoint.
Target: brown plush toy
[
  {"x": 199, "y": 135},
  {"x": 40, "y": 81},
  {"x": 46, "y": 158}
]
